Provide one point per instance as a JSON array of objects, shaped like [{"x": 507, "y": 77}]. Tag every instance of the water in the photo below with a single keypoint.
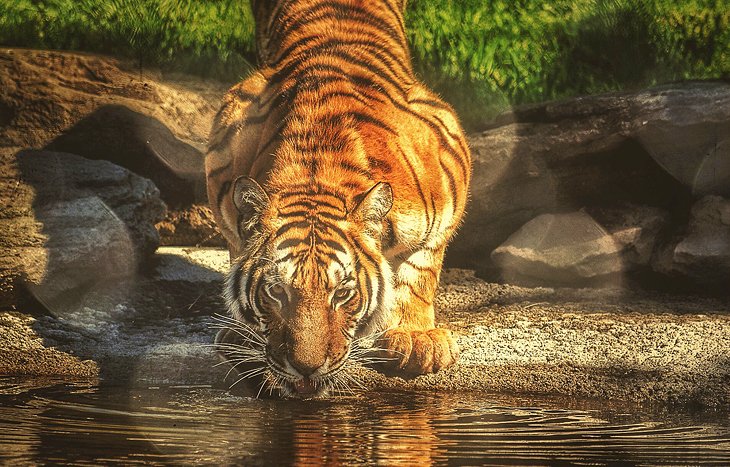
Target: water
[{"x": 88, "y": 425}]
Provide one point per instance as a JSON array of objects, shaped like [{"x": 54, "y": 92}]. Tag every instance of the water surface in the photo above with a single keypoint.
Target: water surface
[{"x": 89, "y": 425}]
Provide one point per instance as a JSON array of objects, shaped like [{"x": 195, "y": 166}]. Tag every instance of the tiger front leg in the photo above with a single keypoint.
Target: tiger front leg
[{"x": 414, "y": 345}]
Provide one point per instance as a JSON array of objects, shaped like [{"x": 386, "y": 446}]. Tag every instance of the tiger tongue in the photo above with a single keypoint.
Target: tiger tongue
[{"x": 305, "y": 386}]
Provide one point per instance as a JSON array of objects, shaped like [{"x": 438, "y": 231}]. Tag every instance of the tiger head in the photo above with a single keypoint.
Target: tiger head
[{"x": 310, "y": 280}]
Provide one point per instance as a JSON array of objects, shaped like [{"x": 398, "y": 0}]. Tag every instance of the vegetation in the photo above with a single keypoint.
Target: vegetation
[
  {"x": 481, "y": 55},
  {"x": 529, "y": 50}
]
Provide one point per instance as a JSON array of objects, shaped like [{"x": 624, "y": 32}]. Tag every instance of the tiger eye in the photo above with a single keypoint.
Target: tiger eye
[
  {"x": 276, "y": 289},
  {"x": 341, "y": 294}
]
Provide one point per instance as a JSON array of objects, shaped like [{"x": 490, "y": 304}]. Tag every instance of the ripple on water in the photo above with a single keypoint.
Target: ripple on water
[{"x": 86, "y": 424}]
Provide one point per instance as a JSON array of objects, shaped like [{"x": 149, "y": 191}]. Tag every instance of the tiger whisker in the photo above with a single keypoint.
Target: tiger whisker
[
  {"x": 230, "y": 370},
  {"x": 234, "y": 348},
  {"x": 238, "y": 361},
  {"x": 344, "y": 383},
  {"x": 249, "y": 374},
  {"x": 263, "y": 383},
  {"x": 229, "y": 321},
  {"x": 235, "y": 324},
  {"x": 249, "y": 338},
  {"x": 257, "y": 347},
  {"x": 237, "y": 381}
]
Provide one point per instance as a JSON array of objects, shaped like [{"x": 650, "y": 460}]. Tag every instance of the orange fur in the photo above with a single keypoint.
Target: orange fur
[{"x": 335, "y": 113}]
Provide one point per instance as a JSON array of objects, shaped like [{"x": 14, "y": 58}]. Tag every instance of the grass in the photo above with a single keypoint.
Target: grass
[{"x": 482, "y": 56}]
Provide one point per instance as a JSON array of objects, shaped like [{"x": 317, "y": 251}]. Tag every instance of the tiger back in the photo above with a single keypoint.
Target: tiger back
[{"x": 337, "y": 180}]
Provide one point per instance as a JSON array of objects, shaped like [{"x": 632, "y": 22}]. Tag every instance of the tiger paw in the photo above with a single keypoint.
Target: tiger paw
[{"x": 417, "y": 352}]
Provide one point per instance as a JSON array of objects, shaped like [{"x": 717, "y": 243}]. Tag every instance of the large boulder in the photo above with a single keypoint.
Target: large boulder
[
  {"x": 70, "y": 222},
  {"x": 702, "y": 253},
  {"x": 658, "y": 147},
  {"x": 596, "y": 247},
  {"x": 95, "y": 107},
  {"x": 193, "y": 226}
]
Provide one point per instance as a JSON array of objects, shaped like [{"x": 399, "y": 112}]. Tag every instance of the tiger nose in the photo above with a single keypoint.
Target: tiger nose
[{"x": 305, "y": 366}]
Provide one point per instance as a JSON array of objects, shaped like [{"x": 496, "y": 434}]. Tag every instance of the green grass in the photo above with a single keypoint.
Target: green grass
[{"x": 482, "y": 56}]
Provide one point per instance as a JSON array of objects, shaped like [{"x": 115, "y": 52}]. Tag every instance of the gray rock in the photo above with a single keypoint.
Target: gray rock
[
  {"x": 702, "y": 254},
  {"x": 654, "y": 147},
  {"x": 687, "y": 132},
  {"x": 71, "y": 223},
  {"x": 596, "y": 247}
]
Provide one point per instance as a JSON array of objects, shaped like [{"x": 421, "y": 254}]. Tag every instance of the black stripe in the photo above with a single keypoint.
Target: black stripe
[
  {"x": 452, "y": 183},
  {"x": 433, "y": 219},
  {"x": 233, "y": 130},
  {"x": 313, "y": 213},
  {"x": 421, "y": 268},
  {"x": 315, "y": 191},
  {"x": 222, "y": 193},
  {"x": 398, "y": 17},
  {"x": 348, "y": 166},
  {"x": 374, "y": 48},
  {"x": 352, "y": 185},
  {"x": 365, "y": 118},
  {"x": 369, "y": 66},
  {"x": 369, "y": 288},
  {"x": 321, "y": 99},
  {"x": 380, "y": 164},
  {"x": 245, "y": 96},
  {"x": 299, "y": 43},
  {"x": 458, "y": 140},
  {"x": 439, "y": 135},
  {"x": 329, "y": 216},
  {"x": 215, "y": 172},
  {"x": 289, "y": 256},
  {"x": 302, "y": 73},
  {"x": 416, "y": 182},
  {"x": 339, "y": 12},
  {"x": 313, "y": 83},
  {"x": 432, "y": 103},
  {"x": 414, "y": 293},
  {"x": 311, "y": 204},
  {"x": 292, "y": 225},
  {"x": 332, "y": 257},
  {"x": 274, "y": 137},
  {"x": 334, "y": 246},
  {"x": 389, "y": 237},
  {"x": 315, "y": 145},
  {"x": 291, "y": 242}
]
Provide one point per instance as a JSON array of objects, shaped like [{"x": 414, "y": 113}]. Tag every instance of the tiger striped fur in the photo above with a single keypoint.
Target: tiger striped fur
[{"x": 337, "y": 180}]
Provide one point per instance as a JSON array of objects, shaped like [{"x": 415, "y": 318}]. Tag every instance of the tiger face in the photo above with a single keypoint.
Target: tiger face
[{"x": 310, "y": 280}]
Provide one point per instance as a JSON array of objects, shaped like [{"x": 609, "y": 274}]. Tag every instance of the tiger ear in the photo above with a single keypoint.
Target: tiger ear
[
  {"x": 374, "y": 204},
  {"x": 250, "y": 199}
]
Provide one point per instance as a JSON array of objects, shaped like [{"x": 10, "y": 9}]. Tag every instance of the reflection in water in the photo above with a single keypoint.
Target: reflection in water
[{"x": 91, "y": 425}]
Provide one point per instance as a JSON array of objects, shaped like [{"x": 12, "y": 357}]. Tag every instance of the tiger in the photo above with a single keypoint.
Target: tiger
[{"x": 337, "y": 180}]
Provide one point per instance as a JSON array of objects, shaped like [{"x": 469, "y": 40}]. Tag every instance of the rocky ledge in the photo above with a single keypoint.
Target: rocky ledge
[{"x": 584, "y": 343}]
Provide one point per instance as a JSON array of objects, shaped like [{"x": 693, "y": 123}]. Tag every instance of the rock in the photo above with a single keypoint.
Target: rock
[
  {"x": 596, "y": 247},
  {"x": 92, "y": 106},
  {"x": 70, "y": 223},
  {"x": 687, "y": 132},
  {"x": 22, "y": 352},
  {"x": 655, "y": 147},
  {"x": 702, "y": 254},
  {"x": 193, "y": 265},
  {"x": 153, "y": 328},
  {"x": 193, "y": 226}
]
